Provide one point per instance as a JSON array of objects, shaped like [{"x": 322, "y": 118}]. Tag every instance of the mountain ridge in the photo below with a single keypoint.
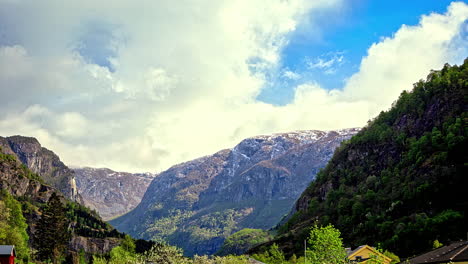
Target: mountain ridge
[
  {"x": 109, "y": 192},
  {"x": 196, "y": 204}
]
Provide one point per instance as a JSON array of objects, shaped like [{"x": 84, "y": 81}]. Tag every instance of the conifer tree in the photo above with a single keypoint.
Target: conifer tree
[{"x": 52, "y": 234}]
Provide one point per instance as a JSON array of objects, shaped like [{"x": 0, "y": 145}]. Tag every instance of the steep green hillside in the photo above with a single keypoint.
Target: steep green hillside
[
  {"x": 402, "y": 180},
  {"x": 25, "y": 197}
]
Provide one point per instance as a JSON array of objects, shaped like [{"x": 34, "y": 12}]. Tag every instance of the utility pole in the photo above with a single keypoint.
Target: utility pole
[{"x": 305, "y": 252}]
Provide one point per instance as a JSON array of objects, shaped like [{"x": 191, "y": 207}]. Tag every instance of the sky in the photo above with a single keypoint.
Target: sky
[{"x": 143, "y": 85}]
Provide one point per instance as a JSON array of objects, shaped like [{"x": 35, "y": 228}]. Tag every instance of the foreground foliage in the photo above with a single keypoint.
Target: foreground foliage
[
  {"x": 324, "y": 246},
  {"x": 162, "y": 254},
  {"x": 13, "y": 227}
]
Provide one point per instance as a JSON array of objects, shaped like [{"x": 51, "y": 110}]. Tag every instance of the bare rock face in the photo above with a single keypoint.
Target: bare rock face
[
  {"x": 111, "y": 193},
  {"x": 93, "y": 245},
  {"x": 14, "y": 179},
  {"x": 43, "y": 162},
  {"x": 197, "y": 204}
]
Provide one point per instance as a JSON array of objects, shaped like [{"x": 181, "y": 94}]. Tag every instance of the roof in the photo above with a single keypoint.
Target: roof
[
  {"x": 351, "y": 254},
  {"x": 455, "y": 252},
  {"x": 7, "y": 250}
]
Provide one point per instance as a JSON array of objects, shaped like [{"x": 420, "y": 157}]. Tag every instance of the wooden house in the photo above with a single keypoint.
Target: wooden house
[
  {"x": 365, "y": 253},
  {"x": 7, "y": 254}
]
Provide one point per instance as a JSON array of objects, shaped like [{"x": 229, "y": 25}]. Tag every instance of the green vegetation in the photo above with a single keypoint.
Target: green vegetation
[
  {"x": 239, "y": 242},
  {"x": 13, "y": 227},
  {"x": 191, "y": 231},
  {"x": 52, "y": 233},
  {"x": 88, "y": 223},
  {"x": 325, "y": 245},
  {"x": 399, "y": 181},
  {"x": 52, "y": 224},
  {"x": 159, "y": 253}
]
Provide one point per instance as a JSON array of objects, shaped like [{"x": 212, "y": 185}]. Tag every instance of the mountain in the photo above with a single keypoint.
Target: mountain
[
  {"x": 43, "y": 162},
  {"x": 111, "y": 193},
  {"x": 197, "y": 204},
  {"x": 401, "y": 181},
  {"x": 89, "y": 232}
]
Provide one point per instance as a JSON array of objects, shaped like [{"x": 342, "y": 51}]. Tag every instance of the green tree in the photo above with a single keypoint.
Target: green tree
[
  {"x": 52, "y": 235},
  {"x": 272, "y": 256},
  {"x": 128, "y": 244},
  {"x": 13, "y": 227},
  {"x": 436, "y": 244},
  {"x": 164, "y": 254},
  {"x": 325, "y": 245},
  {"x": 3, "y": 220}
]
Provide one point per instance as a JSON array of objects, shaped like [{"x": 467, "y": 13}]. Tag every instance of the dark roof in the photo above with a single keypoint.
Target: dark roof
[
  {"x": 455, "y": 252},
  {"x": 7, "y": 250}
]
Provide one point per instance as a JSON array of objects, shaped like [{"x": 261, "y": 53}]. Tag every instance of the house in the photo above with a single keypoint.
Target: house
[
  {"x": 7, "y": 254},
  {"x": 364, "y": 253},
  {"x": 456, "y": 252}
]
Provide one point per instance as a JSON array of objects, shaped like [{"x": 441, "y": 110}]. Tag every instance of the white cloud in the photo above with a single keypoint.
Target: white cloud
[
  {"x": 185, "y": 77},
  {"x": 327, "y": 62},
  {"x": 291, "y": 75}
]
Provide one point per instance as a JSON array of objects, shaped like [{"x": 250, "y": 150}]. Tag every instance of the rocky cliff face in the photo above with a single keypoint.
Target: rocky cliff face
[
  {"x": 43, "y": 162},
  {"x": 197, "y": 204},
  {"x": 111, "y": 193},
  {"x": 93, "y": 245},
  {"x": 16, "y": 180}
]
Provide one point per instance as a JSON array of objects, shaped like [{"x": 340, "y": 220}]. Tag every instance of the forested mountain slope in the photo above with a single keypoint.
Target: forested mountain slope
[{"x": 402, "y": 181}]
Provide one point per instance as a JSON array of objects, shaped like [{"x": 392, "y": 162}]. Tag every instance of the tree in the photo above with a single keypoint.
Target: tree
[
  {"x": 13, "y": 227},
  {"x": 164, "y": 254},
  {"x": 325, "y": 245},
  {"x": 272, "y": 256},
  {"x": 53, "y": 233}
]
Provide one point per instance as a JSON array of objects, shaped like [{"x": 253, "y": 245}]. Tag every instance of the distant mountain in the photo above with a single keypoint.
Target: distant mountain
[
  {"x": 197, "y": 204},
  {"x": 43, "y": 162},
  {"x": 401, "y": 182},
  {"x": 111, "y": 193}
]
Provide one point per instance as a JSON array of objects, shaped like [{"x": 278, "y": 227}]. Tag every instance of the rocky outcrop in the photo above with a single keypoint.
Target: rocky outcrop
[
  {"x": 43, "y": 162},
  {"x": 16, "y": 180},
  {"x": 32, "y": 192},
  {"x": 197, "y": 204},
  {"x": 92, "y": 245},
  {"x": 111, "y": 193}
]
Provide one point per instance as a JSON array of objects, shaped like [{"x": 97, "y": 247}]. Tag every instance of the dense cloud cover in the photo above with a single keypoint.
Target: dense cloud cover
[{"x": 142, "y": 85}]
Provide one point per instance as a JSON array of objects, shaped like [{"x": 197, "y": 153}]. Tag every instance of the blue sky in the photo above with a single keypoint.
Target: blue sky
[{"x": 346, "y": 33}]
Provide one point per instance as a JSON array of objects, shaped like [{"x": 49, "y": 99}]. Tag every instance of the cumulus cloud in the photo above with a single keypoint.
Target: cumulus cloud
[{"x": 171, "y": 81}]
